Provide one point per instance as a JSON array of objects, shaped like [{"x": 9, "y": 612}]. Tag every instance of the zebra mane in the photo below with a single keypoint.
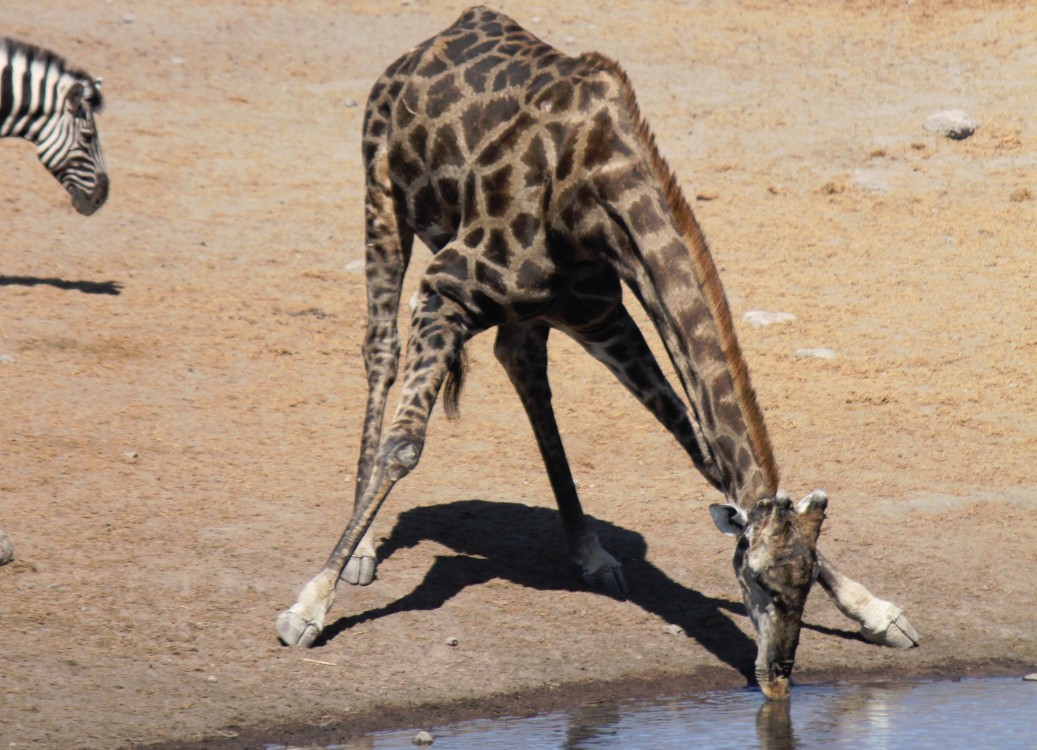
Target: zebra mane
[{"x": 11, "y": 48}]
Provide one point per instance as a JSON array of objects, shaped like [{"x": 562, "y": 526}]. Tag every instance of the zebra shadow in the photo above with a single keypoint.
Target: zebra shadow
[
  {"x": 526, "y": 545},
  {"x": 86, "y": 287}
]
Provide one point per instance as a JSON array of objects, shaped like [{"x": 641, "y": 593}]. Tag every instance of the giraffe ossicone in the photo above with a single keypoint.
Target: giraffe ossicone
[{"x": 534, "y": 179}]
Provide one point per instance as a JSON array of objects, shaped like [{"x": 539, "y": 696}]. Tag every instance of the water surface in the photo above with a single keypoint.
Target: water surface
[{"x": 969, "y": 714}]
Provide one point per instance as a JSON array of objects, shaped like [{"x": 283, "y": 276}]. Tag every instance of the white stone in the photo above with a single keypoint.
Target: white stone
[
  {"x": 760, "y": 318},
  {"x": 953, "y": 123},
  {"x": 818, "y": 353},
  {"x": 870, "y": 181}
]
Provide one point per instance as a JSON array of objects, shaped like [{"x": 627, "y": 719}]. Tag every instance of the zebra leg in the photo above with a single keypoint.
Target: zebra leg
[
  {"x": 881, "y": 622},
  {"x": 522, "y": 349},
  {"x": 387, "y": 255},
  {"x": 436, "y": 338}
]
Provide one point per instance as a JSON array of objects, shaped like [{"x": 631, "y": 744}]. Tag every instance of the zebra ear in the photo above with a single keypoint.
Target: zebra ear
[{"x": 74, "y": 97}]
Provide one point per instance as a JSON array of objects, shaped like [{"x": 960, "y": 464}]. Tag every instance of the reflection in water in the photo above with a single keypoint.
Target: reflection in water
[
  {"x": 961, "y": 715},
  {"x": 590, "y": 725},
  {"x": 774, "y": 726}
]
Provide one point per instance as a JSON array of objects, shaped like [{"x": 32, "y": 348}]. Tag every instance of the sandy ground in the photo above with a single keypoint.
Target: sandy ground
[{"x": 182, "y": 390}]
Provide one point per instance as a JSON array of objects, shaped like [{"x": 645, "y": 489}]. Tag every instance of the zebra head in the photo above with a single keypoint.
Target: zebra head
[{"x": 68, "y": 145}]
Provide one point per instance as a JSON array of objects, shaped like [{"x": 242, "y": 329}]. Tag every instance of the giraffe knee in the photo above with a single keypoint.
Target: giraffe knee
[{"x": 401, "y": 456}]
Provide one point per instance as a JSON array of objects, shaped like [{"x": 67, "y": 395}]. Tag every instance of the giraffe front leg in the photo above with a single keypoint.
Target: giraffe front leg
[
  {"x": 881, "y": 622},
  {"x": 436, "y": 338},
  {"x": 303, "y": 622},
  {"x": 387, "y": 254},
  {"x": 618, "y": 343}
]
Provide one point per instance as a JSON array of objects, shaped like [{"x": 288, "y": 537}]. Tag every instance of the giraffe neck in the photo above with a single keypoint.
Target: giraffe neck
[{"x": 678, "y": 283}]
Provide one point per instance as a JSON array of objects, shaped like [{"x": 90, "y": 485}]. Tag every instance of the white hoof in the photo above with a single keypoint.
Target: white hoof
[
  {"x": 360, "y": 570},
  {"x": 294, "y": 629},
  {"x": 6, "y": 549},
  {"x": 300, "y": 625},
  {"x": 893, "y": 630}
]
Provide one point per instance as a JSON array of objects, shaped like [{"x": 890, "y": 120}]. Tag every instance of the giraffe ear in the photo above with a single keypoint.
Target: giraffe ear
[
  {"x": 816, "y": 500},
  {"x": 729, "y": 518}
]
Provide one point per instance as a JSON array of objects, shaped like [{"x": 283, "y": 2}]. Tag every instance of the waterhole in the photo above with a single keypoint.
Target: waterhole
[{"x": 967, "y": 714}]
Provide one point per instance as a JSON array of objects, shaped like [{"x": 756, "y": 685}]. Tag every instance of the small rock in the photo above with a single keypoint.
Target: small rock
[
  {"x": 761, "y": 318},
  {"x": 818, "y": 353},
  {"x": 211, "y": 678},
  {"x": 832, "y": 188},
  {"x": 355, "y": 265},
  {"x": 672, "y": 629},
  {"x": 953, "y": 123},
  {"x": 7, "y": 359},
  {"x": 1031, "y": 677},
  {"x": 177, "y": 60},
  {"x": 451, "y": 641},
  {"x": 131, "y": 455},
  {"x": 423, "y": 738},
  {"x": 1017, "y": 196},
  {"x": 870, "y": 181},
  {"x": 129, "y": 18},
  {"x": 6, "y": 549},
  {"x": 352, "y": 103},
  {"x": 707, "y": 195}
]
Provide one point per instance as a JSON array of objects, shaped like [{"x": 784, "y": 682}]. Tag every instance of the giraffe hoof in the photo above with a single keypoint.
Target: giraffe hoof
[
  {"x": 360, "y": 570},
  {"x": 609, "y": 579},
  {"x": 900, "y": 633},
  {"x": 295, "y": 630},
  {"x": 6, "y": 549}
]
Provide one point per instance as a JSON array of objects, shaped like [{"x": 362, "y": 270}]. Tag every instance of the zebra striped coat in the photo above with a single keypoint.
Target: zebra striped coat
[{"x": 53, "y": 106}]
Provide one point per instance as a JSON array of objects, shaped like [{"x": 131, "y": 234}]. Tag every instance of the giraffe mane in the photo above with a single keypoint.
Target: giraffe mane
[{"x": 707, "y": 275}]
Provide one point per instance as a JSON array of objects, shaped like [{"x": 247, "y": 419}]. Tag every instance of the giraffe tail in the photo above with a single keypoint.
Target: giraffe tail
[{"x": 455, "y": 377}]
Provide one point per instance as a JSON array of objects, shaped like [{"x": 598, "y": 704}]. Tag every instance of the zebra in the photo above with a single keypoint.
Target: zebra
[
  {"x": 52, "y": 105},
  {"x": 44, "y": 101}
]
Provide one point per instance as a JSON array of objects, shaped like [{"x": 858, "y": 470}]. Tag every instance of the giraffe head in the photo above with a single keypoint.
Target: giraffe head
[{"x": 776, "y": 564}]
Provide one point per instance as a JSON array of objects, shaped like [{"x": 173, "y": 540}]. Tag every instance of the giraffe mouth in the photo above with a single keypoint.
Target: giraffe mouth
[{"x": 777, "y": 689}]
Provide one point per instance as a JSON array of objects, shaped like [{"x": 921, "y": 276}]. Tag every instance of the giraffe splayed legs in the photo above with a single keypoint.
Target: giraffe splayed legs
[{"x": 536, "y": 182}]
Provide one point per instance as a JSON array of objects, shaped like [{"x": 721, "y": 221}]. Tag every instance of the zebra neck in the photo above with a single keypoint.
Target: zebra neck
[{"x": 32, "y": 87}]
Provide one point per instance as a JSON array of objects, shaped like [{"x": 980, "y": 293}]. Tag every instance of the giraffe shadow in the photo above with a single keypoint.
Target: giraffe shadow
[
  {"x": 86, "y": 287},
  {"x": 525, "y": 545}
]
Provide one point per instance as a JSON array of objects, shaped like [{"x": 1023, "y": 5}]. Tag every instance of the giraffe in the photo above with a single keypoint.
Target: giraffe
[{"x": 536, "y": 182}]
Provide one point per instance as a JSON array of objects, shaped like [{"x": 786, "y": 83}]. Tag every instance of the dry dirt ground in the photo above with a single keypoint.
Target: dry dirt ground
[{"x": 182, "y": 390}]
